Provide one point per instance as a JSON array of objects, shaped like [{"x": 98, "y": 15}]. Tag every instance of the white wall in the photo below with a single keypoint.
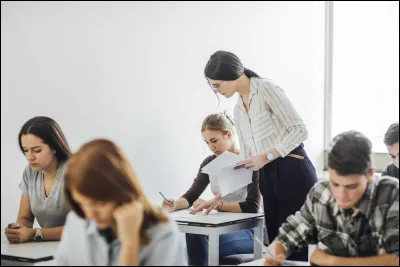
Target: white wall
[{"x": 133, "y": 72}]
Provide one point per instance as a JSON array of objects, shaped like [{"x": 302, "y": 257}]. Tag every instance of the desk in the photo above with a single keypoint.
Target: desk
[
  {"x": 27, "y": 253},
  {"x": 219, "y": 223},
  {"x": 260, "y": 262}
]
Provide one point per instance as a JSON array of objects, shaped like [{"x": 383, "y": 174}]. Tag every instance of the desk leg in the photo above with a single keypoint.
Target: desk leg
[
  {"x": 213, "y": 248},
  {"x": 258, "y": 248}
]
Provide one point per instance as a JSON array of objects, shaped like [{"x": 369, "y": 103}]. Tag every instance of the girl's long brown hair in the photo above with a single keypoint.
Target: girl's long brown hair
[{"x": 100, "y": 171}]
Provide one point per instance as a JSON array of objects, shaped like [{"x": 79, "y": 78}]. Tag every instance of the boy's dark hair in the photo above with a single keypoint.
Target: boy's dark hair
[
  {"x": 350, "y": 153},
  {"x": 392, "y": 134}
]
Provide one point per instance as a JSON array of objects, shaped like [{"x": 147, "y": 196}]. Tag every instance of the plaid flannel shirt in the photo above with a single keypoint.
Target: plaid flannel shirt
[{"x": 371, "y": 230}]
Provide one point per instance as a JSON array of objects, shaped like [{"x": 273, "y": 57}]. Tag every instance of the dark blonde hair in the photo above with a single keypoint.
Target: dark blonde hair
[
  {"x": 219, "y": 122},
  {"x": 100, "y": 171}
]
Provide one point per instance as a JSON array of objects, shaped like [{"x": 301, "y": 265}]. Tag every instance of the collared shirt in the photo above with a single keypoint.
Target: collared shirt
[
  {"x": 271, "y": 121},
  {"x": 82, "y": 245},
  {"x": 371, "y": 230}
]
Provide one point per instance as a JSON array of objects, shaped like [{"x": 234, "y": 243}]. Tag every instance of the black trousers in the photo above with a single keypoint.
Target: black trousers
[{"x": 284, "y": 185}]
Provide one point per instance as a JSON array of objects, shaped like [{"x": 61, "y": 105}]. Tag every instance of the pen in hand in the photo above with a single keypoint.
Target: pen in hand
[
  {"x": 165, "y": 198},
  {"x": 280, "y": 259},
  {"x": 238, "y": 167},
  {"x": 270, "y": 253},
  {"x": 267, "y": 250}
]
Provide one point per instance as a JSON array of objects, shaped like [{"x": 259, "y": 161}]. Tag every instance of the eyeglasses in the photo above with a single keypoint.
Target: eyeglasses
[{"x": 215, "y": 87}]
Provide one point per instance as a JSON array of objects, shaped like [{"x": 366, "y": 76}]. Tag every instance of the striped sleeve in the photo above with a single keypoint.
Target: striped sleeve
[{"x": 285, "y": 111}]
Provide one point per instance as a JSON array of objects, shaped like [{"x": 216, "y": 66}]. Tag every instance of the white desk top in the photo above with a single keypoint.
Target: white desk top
[
  {"x": 29, "y": 252},
  {"x": 213, "y": 219},
  {"x": 260, "y": 262}
]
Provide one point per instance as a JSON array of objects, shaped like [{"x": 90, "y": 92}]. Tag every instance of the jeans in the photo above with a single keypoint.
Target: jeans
[{"x": 240, "y": 242}]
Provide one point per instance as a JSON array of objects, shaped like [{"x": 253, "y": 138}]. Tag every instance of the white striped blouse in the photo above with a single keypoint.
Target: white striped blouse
[{"x": 271, "y": 122}]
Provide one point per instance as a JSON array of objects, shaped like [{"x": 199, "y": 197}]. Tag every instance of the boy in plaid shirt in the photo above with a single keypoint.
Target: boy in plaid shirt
[{"x": 355, "y": 214}]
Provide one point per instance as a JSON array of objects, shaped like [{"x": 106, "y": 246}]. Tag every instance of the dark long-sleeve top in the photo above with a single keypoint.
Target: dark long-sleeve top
[
  {"x": 249, "y": 205},
  {"x": 391, "y": 170}
]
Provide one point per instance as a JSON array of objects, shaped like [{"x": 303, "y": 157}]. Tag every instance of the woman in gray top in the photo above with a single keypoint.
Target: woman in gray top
[
  {"x": 46, "y": 149},
  {"x": 113, "y": 222}
]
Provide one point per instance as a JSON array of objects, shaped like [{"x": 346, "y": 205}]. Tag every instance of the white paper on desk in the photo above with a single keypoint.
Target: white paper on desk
[
  {"x": 186, "y": 213},
  {"x": 200, "y": 213},
  {"x": 229, "y": 179}
]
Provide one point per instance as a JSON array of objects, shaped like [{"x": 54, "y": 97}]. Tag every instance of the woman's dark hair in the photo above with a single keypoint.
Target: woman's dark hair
[
  {"x": 226, "y": 66},
  {"x": 392, "y": 134},
  {"x": 350, "y": 153},
  {"x": 50, "y": 132}
]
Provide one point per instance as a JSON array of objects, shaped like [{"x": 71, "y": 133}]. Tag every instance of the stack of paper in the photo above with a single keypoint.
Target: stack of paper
[{"x": 229, "y": 179}]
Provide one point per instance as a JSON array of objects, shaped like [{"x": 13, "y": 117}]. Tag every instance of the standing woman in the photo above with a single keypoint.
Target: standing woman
[{"x": 271, "y": 135}]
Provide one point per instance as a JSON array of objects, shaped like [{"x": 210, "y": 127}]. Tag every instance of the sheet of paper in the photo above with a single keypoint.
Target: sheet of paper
[
  {"x": 186, "y": 214},
  {"x": 200, "y": 213},
  {"x": 224, "y": 160},
  {"x": 229, "y": 179}
]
